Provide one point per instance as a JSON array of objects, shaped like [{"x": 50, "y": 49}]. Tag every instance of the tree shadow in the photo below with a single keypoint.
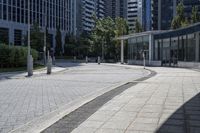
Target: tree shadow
[{"x": 185, "y": 120}]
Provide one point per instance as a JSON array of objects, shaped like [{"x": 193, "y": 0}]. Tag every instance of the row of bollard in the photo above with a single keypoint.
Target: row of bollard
[
  {"x": 50, "y": 63},
  {"x": 98, "y": 60},
  {"x": 30, "y": 65}
]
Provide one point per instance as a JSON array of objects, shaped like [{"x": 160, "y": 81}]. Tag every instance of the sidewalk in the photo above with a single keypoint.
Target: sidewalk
[
  {"x": 166, "y": 103},
  {"x": 23, "y": 74}
]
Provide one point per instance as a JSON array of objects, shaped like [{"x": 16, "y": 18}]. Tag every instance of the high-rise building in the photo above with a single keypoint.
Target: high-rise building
[
  {"x": 46, "y": 13},
  {"x": 147, "y": 15},
  {"x": 163, "y": 12},
  {"x": 135, "y": 11},
  {"x": 90, "y": 9},
  {"x": 116, "y": 8}
]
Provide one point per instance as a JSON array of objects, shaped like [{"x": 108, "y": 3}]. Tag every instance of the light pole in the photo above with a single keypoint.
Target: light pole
[
  {"x": 102, "y": 50},
  {"x": 45, "y": 34},
  {"x": 29, "y": 56},
  {"x": 144, "y": 58}
]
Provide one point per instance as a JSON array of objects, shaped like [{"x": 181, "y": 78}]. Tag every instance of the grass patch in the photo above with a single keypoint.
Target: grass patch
[{"x": 17, "y": 69}]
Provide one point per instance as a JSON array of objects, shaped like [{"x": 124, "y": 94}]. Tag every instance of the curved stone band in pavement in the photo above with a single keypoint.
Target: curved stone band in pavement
[
  {"x": 75, "y": 118},
  {"x": 169, "y": 102}
]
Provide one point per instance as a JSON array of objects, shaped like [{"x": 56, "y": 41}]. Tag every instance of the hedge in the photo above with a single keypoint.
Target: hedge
[{"x": 14, "y": 56}]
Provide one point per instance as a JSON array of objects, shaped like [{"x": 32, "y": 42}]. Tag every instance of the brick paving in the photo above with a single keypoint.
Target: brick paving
[
  {"x": 25, "y": 99},
  {"x": 166, "y": 103}
]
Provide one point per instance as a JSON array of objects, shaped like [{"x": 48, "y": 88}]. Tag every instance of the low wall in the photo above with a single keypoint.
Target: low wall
[
  {"x": 140, "y": 62},
  {"x": 158, "y": 63},
  {"x": 189, "y": 64}
]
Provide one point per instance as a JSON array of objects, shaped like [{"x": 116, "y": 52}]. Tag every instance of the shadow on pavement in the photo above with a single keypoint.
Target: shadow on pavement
[{"x": 185, "y": 120}]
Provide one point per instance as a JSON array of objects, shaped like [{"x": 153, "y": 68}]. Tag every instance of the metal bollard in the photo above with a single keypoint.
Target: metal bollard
[
  {"x": 86, "y": 59},
  {"x": 54, "y": 60},
  {"x": 30, "y": 65},
  {"x": 74, "y": 59},
  {"x": 49, "y": 64},
  {"x": 99, "y": 60}
]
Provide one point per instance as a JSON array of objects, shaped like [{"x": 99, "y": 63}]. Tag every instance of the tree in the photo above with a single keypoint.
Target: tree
[
  {"x": 102, "y": 37},
  {"x": 121, "y": 28},
  {"x": 138, "y": 27},
  {"x": 195, "y": 14},
  {"x": 175, "y": 23},
  {"x": 37, "y": 39},
  {"x": 102, "y": 40},
  {"x": 180, "y": 20},
  {"x": 70, "y": 45},
  {"x": 58, "y": 39}
]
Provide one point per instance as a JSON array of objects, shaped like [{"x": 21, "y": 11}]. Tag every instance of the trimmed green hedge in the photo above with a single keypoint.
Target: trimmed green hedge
[{"x": 14, "y": 56}]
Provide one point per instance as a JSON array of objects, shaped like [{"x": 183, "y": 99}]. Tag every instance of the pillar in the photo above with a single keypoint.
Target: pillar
[
  {"x": 151, "y": 49},
  {"x": 11, "y": 36},
  {"x": 197, "y": 48},
  {"x": 122, "y": 51}
]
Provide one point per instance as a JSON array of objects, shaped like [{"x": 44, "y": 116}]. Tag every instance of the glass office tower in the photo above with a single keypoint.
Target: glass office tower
[
  {"x": 163, "y": 11},
  {"x": 50, "y": 13}
]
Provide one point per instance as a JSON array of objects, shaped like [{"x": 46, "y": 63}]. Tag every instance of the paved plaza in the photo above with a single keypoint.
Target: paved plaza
[
  {"x": 23, "y": 100},
  {"x": 166, "y": 103}
]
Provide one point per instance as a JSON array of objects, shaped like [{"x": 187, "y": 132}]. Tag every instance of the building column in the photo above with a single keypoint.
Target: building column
[
  {"x": 11, "y": 36},
  {"x": 159, "y": 14},
  {"x": 151, "y": 49},
  {"x": 122, "y": 51},
  {"x": 197, "y": 48}
]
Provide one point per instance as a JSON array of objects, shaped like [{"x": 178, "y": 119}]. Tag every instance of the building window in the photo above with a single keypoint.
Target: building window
[
  {"x": 5, "y": 12},
  {"x": 18, "y": 37},
  {"x": 4, "y": 35},
  {"x": 0, "y": 11}
]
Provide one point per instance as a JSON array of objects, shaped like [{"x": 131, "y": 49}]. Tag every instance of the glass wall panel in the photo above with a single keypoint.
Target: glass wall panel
[
  {"x": 136, "y": 47},
  {"x": 191, "y": 47},
  {"x": 181, "y": 53},
  {"x": 174, "y": 50},
  {"x": 184, "y": 39},
  {"x": 146, "y": 46},
  {"x": 157, "y": 49},
  {"x": 166, "y": 51}
]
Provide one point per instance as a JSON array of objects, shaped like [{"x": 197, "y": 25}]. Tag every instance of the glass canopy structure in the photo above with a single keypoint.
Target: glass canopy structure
[{"x": 165, "y": 48}]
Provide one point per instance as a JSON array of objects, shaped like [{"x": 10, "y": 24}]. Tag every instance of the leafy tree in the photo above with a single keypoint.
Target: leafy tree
[
  {"x": 58, "y": 42},
  {"x": 102, "y": 37},
  {"x": 180, "y": 11},
  {"x": 175, "y": 23},
  {"x": 37, "y": 39},
  {"x": 121, "y": 28},
  {"x": 195, "y": 14},
  {"x": 70, "y": 45},
  {"x": 180, "y": 20},
  {"x": 138, "y": 27}
]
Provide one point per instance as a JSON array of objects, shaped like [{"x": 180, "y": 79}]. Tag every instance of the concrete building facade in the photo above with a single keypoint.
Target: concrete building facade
[
  {"x": 135, "y": 11},
  {"x": 116, "y": 8},
  {"x": 90, "y": 9},
  {"x": 161, "y": 21},
  {"x": 46, "y": 13}
]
